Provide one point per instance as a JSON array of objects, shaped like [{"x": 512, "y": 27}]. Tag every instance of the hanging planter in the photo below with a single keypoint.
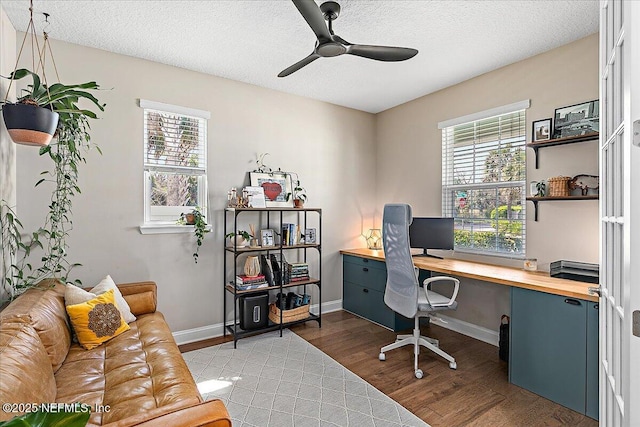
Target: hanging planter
[{"x": 29, "y": 124}]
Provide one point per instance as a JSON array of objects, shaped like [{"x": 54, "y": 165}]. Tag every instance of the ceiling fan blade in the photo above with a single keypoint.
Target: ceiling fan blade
[
  {"x": 295, "y": 67},
  {"x": 382, "y": 53},
  {"x": 312, "y": 14}
]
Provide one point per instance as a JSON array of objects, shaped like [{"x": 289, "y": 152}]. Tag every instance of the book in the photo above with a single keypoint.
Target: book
[
  {"x": 242, "y": 279},
  {"x": 252, "y": 286}
]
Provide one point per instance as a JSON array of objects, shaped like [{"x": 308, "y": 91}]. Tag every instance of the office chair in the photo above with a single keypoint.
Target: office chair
[{"x": 403, "y": 293}]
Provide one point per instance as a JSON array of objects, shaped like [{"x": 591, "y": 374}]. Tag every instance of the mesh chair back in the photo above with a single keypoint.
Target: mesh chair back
[{"x": 401, "y": 293}]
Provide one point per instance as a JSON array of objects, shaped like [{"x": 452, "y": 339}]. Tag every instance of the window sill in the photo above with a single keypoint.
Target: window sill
[{"x": 168, "y": 228}]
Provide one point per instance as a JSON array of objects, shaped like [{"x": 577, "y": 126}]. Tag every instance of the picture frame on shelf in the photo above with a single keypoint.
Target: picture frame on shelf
[
  {"x": 309, "y": 236},
  {"x": 267, "y": 238},
  {"x": 576, "y": 120},
  {"x": 541, "y": 130},
  {"x": 276, "y": 186},
  {"x": 256, "y": 197}
]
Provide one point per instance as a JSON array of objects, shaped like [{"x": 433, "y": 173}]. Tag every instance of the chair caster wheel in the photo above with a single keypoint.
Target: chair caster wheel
[
  {"x": 382, "y": 357},
  {"x": 419, "y": 373},
  {"x": 453, "y": 365}
]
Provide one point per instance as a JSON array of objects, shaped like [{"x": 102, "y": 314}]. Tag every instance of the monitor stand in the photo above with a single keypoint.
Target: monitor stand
[{"x": 425, "y": 254}]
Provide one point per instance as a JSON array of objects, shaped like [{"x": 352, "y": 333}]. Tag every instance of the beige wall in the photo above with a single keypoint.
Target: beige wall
[
  {"x": 409, "y": 159},
  {"x": 7, "y": 147},
  {"x": 329, "y": 146}
]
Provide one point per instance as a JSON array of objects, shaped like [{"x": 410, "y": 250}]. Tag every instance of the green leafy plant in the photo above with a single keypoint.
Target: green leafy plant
[
  {"x": 67, "y": 153},
  {"x": 49, "y": 419},
  {"x": 298, "y": 192},
  {"x": 199, "y": 222},
  {"x": 245, "y": 235},
  {"x": 540, "y": 188}
]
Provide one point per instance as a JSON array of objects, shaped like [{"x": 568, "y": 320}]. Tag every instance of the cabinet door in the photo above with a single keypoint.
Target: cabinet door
[
  {"x": 592, "y": 360},
  {"x": 548, "y": 342}
]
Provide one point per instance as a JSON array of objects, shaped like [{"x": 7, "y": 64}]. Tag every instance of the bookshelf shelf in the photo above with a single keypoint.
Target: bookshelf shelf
[{"x": 282, "y": 277}]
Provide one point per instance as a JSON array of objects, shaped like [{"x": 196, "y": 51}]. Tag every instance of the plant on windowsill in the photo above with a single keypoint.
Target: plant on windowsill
[
  {"x": 299, "y": 195},
  {"x": 240, "y": 238},
  {"x": 199, "y": 222},
  {"x": 67, "y": 153}
]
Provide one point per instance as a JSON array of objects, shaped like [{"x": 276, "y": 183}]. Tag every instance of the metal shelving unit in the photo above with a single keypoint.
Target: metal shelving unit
[{"x": 231, "y": 253}]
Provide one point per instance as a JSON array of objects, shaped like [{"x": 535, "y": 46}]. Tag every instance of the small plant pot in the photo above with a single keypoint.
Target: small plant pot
[
  {"x": 190, "y": 219},
  {"x": 29, "y": 124},
  {"x": 297, "y": 203},
  {"x": 240, "y": 241}
]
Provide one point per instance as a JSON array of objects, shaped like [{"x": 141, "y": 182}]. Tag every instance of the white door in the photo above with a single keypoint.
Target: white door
[{"x": 619, "y": 213}]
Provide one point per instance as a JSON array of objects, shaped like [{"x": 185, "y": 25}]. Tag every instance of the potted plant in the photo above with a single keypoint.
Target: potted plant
[
  {"x": 240, "y": 238},
  {"x": 67, "y": 154},
  {"x": 199, "y": 222},
  {"x": 299, "y": 195}
]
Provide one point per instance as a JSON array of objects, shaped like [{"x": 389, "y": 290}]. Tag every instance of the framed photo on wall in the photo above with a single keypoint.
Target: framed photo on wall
[
  {"x": 541, "y": 130},
  {"x": 267, "y": 237},
  {"x": 578, "y": 119},
  {"x": 276, "y": 186}
]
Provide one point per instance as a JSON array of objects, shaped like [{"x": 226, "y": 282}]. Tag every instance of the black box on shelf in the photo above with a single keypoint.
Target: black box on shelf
[
  {"x": 574, "y": 270},
  {"x": 254, "y": 311}
]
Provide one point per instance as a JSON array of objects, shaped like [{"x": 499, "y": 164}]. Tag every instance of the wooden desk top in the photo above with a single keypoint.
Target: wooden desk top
[{"x": 534, "y": 280}]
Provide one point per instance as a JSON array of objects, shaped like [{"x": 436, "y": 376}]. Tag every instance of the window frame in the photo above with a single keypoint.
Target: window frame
[
  {"x": 168, "y": 215},
  {"x": 448, "y": 165}
]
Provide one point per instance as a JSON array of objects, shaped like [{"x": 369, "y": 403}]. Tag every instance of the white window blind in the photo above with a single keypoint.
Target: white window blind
[
  {"x": 175, "y": 161},
  {"x": 483, "y": 183}
]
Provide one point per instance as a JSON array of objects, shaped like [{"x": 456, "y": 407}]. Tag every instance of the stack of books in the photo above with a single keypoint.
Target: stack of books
[
  {"x": 244, "y": 283},
  {"x": 297, "y": 272},
  {"x": 290, "y": 234}
]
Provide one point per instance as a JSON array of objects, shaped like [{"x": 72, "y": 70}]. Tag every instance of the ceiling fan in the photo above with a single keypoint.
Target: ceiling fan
[{"x": 329, "y": 44}]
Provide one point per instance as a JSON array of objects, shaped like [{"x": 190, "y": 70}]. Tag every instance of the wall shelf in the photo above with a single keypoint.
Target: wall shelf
[
  {"x": 561, "y": 141},
  {"x": 535, "y": 200}
]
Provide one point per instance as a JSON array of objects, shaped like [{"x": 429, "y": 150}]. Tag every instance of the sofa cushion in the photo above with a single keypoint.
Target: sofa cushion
[
  {"x": 26, "y": 375},
  {"x": 97, "y": 320},
  {"x": 45, "y": 307},
  {"x": 75, "y": 295},
  {"x": 138, "y": 374}
]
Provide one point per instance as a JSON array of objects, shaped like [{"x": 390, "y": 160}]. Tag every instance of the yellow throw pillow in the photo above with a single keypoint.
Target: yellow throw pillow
[{"x": 97, "y": 320}]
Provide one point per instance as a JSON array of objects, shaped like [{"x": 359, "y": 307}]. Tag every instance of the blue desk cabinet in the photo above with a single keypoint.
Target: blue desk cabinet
[
  {"x": 551, "y": 351},
  {"x": 364, "y": 281}
]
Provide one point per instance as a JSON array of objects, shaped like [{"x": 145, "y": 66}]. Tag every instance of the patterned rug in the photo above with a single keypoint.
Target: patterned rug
[{"x": 280, "y": 382}]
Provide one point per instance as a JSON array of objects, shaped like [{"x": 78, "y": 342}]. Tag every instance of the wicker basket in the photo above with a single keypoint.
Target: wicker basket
[
  {"x": 292, "y": 315},
  {"x": 559, "y": 186}
]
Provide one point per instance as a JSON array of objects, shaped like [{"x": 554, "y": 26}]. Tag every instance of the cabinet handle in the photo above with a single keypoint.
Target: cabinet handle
[
  {"x": 572, "y": 301},
  {"x": 365, "y": 260},
  {"x": 365, "y": 269},
  {"x": 596, "y": 306},
  {"x": 365, "y": 290}
]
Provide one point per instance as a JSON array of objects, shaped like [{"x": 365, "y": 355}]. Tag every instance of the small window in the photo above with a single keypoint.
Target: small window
[
  {"x": 175, "y": 161},
  {"x": 484, "y": 183}
]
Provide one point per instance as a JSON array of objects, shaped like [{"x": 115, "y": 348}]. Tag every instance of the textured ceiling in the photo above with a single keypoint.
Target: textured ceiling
[{"x": 252, "y": 41}]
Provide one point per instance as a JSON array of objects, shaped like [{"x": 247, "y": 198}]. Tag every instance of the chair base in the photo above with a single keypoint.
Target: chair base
[{"x": 417, "y": 340}]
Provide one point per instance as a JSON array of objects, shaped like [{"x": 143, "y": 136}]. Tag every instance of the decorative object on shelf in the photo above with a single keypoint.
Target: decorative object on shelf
[
  {"x": 531, "y": 264},
  {"x": 585, "y": 183},
  {"x": 253, "y": 242},
  {"x": 374, "y": 239},
  {"x": 255, "y": 197},
  {"x": 276, "y": 185},
  {"x": 541, "y": 130},
  {"x": 252, "y": 266},
  {"x": 310, "y": 236},
  {"x": 266, "y": 238},
  {"x": 537, "y": 188},
  {"x": 559, "y": 186},
  {"x": 578, "y": 119},
  {"x": 298, "y": 193},
  {"x": 240, "y": 239},
  {"x": 199, "y": 221}
]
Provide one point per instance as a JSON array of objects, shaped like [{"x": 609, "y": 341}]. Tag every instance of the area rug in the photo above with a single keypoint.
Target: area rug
[{"x": 276, "y": 381}]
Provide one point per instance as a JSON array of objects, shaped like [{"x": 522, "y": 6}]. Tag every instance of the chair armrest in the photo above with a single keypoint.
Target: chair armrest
[
  {"x": 456, "y": 287},
  {"x": 211, "y": 413},
  {"x": 142, "y": 297}
]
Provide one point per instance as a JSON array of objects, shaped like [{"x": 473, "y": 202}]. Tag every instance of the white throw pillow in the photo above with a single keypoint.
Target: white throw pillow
[{"x": 75, "y": 295}]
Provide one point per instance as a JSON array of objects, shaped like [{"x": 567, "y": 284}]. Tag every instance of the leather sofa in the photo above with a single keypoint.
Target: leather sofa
[{"x": 139, "y": 375}]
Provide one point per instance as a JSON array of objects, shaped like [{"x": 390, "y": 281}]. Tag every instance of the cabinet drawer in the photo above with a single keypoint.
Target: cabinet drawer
[
  {"x": 372, "y": 278},
  {"x": 368, "y": 303},
  {"x": 365, "y": 262}
]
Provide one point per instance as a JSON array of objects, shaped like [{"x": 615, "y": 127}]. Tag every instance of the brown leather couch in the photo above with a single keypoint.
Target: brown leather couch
[{"x": 139, "y": 375}]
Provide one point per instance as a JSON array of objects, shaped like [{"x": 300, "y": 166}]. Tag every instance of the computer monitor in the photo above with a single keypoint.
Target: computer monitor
[{"x": 431, "y": 233}]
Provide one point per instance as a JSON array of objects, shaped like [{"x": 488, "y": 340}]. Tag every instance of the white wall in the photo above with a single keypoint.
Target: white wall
[
  {"x": 409, "y": 148},
  {"x": 330, "y": 147},
  {"x": 7, "y": 147}
]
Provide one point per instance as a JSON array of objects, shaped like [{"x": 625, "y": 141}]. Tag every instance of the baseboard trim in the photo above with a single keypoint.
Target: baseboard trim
[
  {"x": 469, "y": 329},
  {"x": 202, "y": 333}
]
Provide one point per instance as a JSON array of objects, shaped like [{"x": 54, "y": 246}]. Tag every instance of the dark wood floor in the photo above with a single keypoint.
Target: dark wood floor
[{"x": 476, "y": 394}]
